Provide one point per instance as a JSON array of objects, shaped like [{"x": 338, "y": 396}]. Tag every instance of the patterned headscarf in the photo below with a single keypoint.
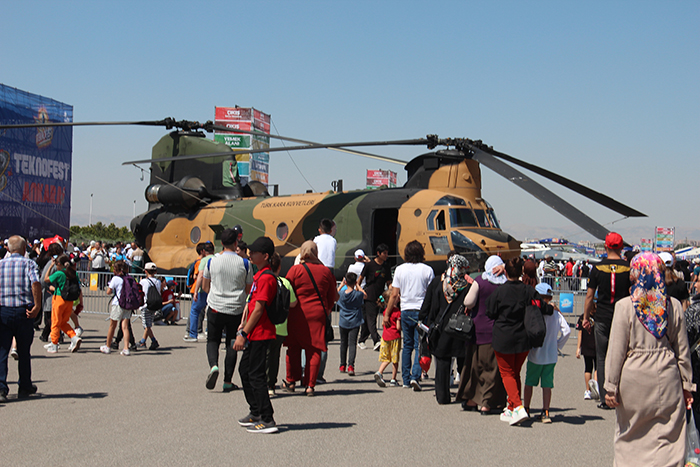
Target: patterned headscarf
[
  {"x": 455, "y": 278},
  {"x": 488, "y": 274},
  {"x": 649, "y": 292}
]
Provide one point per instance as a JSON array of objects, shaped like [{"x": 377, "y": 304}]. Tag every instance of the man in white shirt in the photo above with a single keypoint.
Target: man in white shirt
[
  {"x": 326, "y": 243},
  {"x": 411, "y": 280}
]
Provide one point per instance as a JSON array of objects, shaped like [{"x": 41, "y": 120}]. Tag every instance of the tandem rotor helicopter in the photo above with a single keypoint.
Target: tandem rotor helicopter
[{"x": 193, "y": 197}]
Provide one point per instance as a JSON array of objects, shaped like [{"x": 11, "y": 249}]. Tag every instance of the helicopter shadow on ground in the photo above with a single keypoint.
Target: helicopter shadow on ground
[{"x": 314, "y": 426}]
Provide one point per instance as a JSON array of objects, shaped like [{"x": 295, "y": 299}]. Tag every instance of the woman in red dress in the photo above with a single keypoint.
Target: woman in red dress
[{"x": 307, "y": 321}]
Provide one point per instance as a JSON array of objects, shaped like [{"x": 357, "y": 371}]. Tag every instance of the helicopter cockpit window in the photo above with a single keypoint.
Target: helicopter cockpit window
[
  {"x": 492, "y": 217},
  {"x": 436, "y": 220},
  {"x": 450, "y": 201},
  {"x": 462, "y": 217},
  {"x": 481, "y": 217},
  {"x": 441, "y": 246}
]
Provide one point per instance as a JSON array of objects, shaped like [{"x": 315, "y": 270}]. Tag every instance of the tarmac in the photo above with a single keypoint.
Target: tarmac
[{"x": 152, "y": 409}]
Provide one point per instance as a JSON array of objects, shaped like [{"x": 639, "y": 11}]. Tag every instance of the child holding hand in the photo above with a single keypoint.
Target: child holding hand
[{"x": 391, "y": 343}]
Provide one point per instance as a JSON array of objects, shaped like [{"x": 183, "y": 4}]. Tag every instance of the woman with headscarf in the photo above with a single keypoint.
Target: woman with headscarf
[
  {"x": 316, "y": 293},
  {"x": 481, "y": 387},
  {"x": 445, "y": 294},
  {"x": 648, "y": 376}
]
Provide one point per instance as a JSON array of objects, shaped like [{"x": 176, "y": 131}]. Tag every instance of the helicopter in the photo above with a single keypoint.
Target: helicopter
[{"x": 194, "y": 195}]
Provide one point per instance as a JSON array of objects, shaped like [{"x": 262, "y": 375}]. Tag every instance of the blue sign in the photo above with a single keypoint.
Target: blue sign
[
  {"x": 566, "y": 302},
  {"x": 35, "y": 166}
]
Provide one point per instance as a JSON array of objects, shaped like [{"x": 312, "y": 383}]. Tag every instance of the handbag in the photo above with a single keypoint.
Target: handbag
[
  {"x": 460, "y": 326},
  {"x": 329, "y": 334}
]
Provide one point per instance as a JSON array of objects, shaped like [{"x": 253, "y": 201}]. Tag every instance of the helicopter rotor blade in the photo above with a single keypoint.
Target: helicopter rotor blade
[
  {"x": 340, "y": 146},
  {"x": 593, "y": 195},
  {"x": 540, "y": 192}
]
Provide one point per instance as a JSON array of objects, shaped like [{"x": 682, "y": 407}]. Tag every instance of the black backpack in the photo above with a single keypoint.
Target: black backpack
[
  {"x": 71, "y": 289},
  {"x": 278, "y": 310},
  {"x": 154, "y": 301},
  {"x": 535, "y": 326}
]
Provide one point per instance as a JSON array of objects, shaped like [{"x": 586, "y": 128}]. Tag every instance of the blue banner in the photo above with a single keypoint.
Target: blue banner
[{"x": 35, "y": 166}]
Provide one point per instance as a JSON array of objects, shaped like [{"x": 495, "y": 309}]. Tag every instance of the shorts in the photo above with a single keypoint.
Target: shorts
[
  {"x": 389, "y": 351},
  {"x": 147, "y": 318},
  {"x": 535, "y": 373},
  {"x": 118, "y": 313}
]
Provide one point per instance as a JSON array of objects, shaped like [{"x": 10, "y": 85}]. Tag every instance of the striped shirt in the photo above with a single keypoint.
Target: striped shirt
[
  {"x": 17, "y": 274},
  {"x": 229, "y": 274}
]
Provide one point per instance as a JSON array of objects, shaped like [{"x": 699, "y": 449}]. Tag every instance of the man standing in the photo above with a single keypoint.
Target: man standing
[
  {"x": 326, "y": 243},
  {"x": 374, "y": 277},
  {"x": 20, "y": 303},
  {"x": 255, "y": 337},
  {"x": 411, "y": 280},
  {"x": 225, "y": 280},
  {"x": 611, "y": 278}
]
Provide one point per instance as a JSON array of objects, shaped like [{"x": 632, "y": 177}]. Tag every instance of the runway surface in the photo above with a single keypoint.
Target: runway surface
[{"x": 152, "y": 409}]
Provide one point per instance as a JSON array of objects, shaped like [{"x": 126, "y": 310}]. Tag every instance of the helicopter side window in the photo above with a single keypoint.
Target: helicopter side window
[
  {"x": 450, "y": 201},
  {"x": 436, "y": 220},
  {"x": 441, "y": 245},
  {"x": 462, "y": 217}
]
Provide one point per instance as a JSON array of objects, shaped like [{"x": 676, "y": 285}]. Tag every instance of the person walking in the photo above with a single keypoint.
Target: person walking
[
  {"x": 226, "y": 280},
  {"x": 20, "y": 303},
  {"x": 411, "y": 280},
  {"x": 375, "y": 276},
  {"x": 611, "y": 280}
]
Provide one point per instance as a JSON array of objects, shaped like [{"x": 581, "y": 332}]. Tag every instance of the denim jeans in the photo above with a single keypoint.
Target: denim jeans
[
  {"x": 14, "y": 323},
  {"x": 411, "y": 344},
  {"x": 196, "y": 310}
]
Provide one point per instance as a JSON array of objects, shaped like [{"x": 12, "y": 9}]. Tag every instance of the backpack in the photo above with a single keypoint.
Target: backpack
[
  {"x": 535, "y": 326},
  {"x": 154, "y": 301},
  {"x": 131, "y": 295},
  {"x": 278, "y": 310},
  {"x": 190, "y": 275},
  {"x": 71, "y": 290}
]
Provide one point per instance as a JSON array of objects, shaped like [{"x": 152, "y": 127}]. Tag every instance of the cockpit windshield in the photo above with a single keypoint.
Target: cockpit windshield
[{"x": 466, "y": 217}]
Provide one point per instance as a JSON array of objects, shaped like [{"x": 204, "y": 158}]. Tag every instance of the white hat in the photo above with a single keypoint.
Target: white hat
[
  {"x": 36, "y": 241},
  {"x": 359, "y": 254},
  {"x": 92, "y": 242},
  {"x": 667, "y": 258},
  {"x": 150, "y": 266},
  {"x": 696, "y": 261}
]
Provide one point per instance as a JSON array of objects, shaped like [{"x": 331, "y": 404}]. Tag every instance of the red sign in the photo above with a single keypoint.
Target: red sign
[
  {"x": 247, "y": 126},
  {"x": 232, "y": 113},
  {"x": 262, "y": 117}
]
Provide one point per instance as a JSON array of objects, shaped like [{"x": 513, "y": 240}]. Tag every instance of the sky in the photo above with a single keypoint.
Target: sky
[{"x": 605, "y": 93}]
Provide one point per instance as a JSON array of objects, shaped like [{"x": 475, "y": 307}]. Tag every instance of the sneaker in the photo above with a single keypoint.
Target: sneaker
[
  {"x": 3, "y": 398},
  {"x": 114, "y": 345},
  {"x": 456, "y": 378},
  {"x": 125, "y": 352},
  {"x": 189, "y": 339},
  {"x": 587, "y": 396},
  {"x": 518, "y": 415},
  {"x": 406, "y": 386},
  {"x": 132, "y": 347},
  {"x": 605, "y": 406},
  {"x": 544, "y": 418},
  {"x": 424, "y": 375},
  {"x": 154, "y": 345},
  {"x": 264, "y": 427},
  {"x": 271, "y": 392},
  {"x": 415, "y": 385},
  {"x": 362, "y": 345},
  {"x": 141, "y": 345},
  {"x": 377, "y": 346},
  {"x": 212, "y": 377},
  {"x": 51, "y": 348},
  {"x": 342, "y": 368},
  {"x": 46, "y": 346},
  {"x": 595, "y": 390},
  {"x": 506, "y": 415},
  {"x": 201, "y": 336},
  {"x": 320, "y": 380},
  {"x": 228, "y": 387},
  {"x": 379, "y": 379},
  {"x": 105, "y": 350},
  {"x": 249, "y": 420},
  {"x": 24, "y": 393},
  {"x": 75, "y": 342},
  {"x": 79, "y": 331},
  {"x": 14, "y": 354},
  {"x": 393, "y": 383},
  {"x": 351, "y": 370}
]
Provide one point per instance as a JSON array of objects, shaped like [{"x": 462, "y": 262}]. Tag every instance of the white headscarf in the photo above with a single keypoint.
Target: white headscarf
[{"x": 492, "y": 262}]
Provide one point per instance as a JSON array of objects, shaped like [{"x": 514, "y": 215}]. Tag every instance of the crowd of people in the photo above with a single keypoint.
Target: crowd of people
[{"x": 638, "y": 335}]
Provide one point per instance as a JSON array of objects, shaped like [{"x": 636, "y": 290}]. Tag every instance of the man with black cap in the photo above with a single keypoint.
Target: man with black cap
[
  {"x": 225, "y": 279},
  {"x": 254, "y": 337},
  {"x": 611, "y": 279}
]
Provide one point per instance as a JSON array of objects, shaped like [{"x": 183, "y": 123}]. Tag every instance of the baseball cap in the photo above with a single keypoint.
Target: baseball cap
[
  {"x": 150, "y": 266},
  {"x": 667, "y": 258},
  {"x": 263, "y": 245},
  {"x": 613, "y": 241},
  {"x": 359, "y": 254},
  {"x": 544, "y": 289}
]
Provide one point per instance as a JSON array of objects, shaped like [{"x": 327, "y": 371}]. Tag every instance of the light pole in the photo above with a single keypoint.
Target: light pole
[
  {"x": 90, "y": 221},
  {"x": 134, "y": 210}
]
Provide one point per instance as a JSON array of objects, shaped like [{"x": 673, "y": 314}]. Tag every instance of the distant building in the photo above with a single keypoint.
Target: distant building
[{"x": 35, "y": 166}]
